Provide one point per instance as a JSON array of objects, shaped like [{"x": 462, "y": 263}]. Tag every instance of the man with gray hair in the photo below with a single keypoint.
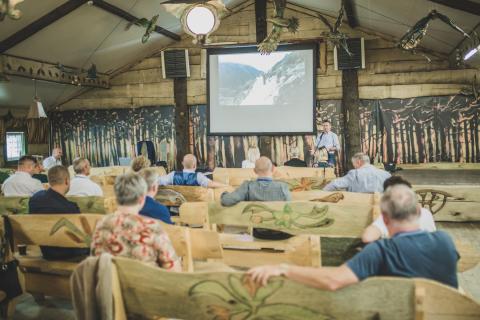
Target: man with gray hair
[
  {"x": 410, "y": 253},
  {"x": 263, "y": 189},
  {"x": 295, "y": 161},
  {"x": 363, "y": 178},
  {"x": 81, "y": 185},
  {"x": 152, "y": 208}
]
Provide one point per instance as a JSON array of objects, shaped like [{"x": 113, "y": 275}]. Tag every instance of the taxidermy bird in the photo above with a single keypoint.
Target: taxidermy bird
[
  {"x": 149, "y": 26},
  {"x": 414, "y": 35},
  {"x": 7, "y": 8},
  {"x": 335, "y": 37},
  {"x": 270, "y": 43}
]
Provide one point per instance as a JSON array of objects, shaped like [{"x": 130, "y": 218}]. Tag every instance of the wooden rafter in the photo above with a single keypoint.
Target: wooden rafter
[
  {"x": 350, "y": 12},
  {"x": 127, "y": 16},
  {"x": 47, "y": 71},
  {"x": 261, "y": 19},
  {"x": 40, "y": 23},
  {"x": 462, "y": 5}
]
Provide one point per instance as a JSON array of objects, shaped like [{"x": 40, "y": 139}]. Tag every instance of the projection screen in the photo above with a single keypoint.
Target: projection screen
[{"x": 250, "y": 93}]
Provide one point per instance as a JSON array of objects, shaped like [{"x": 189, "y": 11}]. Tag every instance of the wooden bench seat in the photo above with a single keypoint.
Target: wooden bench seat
[{"x": 222, "y": 295}]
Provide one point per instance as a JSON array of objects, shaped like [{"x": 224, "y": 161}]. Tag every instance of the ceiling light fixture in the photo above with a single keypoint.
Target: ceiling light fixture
[
  {"x": 36, "y": 110},
  {"x": 199, "y": 21}
]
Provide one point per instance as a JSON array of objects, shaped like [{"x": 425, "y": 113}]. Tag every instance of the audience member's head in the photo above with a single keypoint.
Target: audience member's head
[
  {"x": 130, "y": 191},
  {"x": 27, "y": 164},
  {"x": 395, "y": 180},
  {"x": 399, "y": 205},
  {"x": 189, "y": 162},
  {"x": 81, "y": 166},
  {"x": 294, "y": 152},
  {"x": 360, "y": 159},
  {"x": 327, "y": 125},
  {"x": 57, "y": 153},
  {"x": 150, "y": 175},
  {"x": 59, "y": 179},
  {"x": 253, "y": 154},
  {"x": 263, "y": 167},
  {"x": 139, "y": 163}
]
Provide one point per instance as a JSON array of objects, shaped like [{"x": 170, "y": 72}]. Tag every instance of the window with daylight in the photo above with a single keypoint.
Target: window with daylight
[{"x": 15, "y": 145}]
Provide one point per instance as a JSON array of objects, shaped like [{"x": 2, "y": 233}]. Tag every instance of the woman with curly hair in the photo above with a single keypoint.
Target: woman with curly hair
[{"x": 139, "y": 163}]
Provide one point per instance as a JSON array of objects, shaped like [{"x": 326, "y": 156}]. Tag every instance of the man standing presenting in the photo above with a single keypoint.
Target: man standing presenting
[
  {"x": 328, "y": 140},
  {"x": 54, "y": 160}
]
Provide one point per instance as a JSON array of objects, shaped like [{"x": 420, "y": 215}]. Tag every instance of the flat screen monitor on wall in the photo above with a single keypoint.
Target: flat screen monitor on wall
[{"x": 250, "y": 93}]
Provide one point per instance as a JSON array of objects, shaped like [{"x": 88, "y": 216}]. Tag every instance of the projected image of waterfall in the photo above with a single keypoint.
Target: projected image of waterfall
[{"x": 260, "y": 80}]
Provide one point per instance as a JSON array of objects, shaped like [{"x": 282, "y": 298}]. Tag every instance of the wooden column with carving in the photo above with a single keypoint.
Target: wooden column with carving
[
  {"x": 181, "y": 119},
  {"x": 351, "y": 115}
]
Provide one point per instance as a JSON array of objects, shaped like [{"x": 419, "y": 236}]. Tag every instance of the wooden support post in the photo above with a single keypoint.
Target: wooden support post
[
  {"x": 181, "y": 119},
  {"x": 351, "y": 115},
  {"x": 261, "y": 19}
]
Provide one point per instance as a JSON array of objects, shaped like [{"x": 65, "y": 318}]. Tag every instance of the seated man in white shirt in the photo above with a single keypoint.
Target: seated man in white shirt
[
  {"x": 378, "y": 229},
  {"x": 188, "y": 177},
  {"x": 21, "y": 183},
  {"x": 54, "y": 160},
  {"x": 81, "y": 185}
]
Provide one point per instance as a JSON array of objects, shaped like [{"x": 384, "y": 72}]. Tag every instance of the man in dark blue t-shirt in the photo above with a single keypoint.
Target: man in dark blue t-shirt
[
  {"x": 53, "y": 201},
  {"x": 409, "y": 253},
  {"x": 152, "y": 208}
]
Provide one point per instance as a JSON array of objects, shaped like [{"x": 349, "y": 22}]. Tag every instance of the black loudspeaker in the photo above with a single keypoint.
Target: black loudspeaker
[
  {"x": 147, "y": 149},
  {"x": 343, "y": 61},
  {"x": 175, "y": 64}
]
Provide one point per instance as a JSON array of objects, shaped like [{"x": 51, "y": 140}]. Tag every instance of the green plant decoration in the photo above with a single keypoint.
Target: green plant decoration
[
  {"x": 242, "y": 299},
  {"x": 73, "y": 232},
  {"x": 289, "y": 218}
]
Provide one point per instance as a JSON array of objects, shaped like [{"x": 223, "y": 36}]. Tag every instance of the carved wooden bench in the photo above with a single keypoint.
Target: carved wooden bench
[{"x": 223, "y": 295}]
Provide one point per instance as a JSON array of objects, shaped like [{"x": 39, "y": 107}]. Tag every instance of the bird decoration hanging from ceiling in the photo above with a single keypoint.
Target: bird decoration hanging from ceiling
[
  {"x": 270, "y": 43},
  {"x": 7, "y": 8},
  {"x": 334, "y": 36},
  {"x": 149, "y": 26},
  {"x": 415, "y": 34}
]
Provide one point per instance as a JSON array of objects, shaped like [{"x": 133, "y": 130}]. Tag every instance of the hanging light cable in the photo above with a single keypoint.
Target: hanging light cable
[{"x": 36, "y": 110}]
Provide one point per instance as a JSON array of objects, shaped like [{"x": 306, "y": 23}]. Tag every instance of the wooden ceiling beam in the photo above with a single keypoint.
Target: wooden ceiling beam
[
  {"x": 130, "y": 18},
  {"x": 48, "y": 71},
  {"x": 351, "y": 14},
  {"x": 40, "y": 23},
  {"x": 462, "y": 5}
]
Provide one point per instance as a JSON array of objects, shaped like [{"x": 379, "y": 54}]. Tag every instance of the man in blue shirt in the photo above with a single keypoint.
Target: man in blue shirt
[
  {"x": 188, "y": 177},
  {"x": 410, "y": 253},
  {"x": 152, "y": 208},
  {"x": 363, "y": 178},
  {"x": 328, "y": 140}
]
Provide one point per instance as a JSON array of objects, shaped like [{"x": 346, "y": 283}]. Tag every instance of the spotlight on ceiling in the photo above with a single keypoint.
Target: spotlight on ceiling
[
  {"x": 471, "y": 53},
  {"x": 199, "y": 21}
]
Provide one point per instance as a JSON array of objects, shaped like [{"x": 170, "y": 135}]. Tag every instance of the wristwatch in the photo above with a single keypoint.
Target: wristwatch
[{"x": 284, "y": 269}]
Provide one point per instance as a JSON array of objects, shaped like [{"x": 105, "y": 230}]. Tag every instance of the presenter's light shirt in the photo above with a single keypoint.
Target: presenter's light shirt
[
  {"x": 21, "y": 184},
  {"x": 364, "y": 179},
  {"x": 327, "y": 140},
  {"x": 51, "y": 162},
  {"x": 82, "y": 186}
]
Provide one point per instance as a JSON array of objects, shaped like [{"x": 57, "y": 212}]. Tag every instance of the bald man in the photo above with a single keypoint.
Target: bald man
[
  {"x": 263, "y": 189},
  {"x": 54, "y": 160},
  {"x": 188, "y": 177}
]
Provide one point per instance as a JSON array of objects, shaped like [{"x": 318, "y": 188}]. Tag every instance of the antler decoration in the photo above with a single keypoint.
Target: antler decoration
[
  {"x": 270, "y": 43},
  {"x": 434, "y": 206},
  {"x": 414, "y": 35},
  {"x": 7, "y": 8},
  {"x": 334, "y": 36}
]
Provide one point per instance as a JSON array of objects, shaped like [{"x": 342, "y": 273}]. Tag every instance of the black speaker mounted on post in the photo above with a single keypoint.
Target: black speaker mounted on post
[
  {"x": 175, "y": 63},
  {"x": 343, "y": 61}
]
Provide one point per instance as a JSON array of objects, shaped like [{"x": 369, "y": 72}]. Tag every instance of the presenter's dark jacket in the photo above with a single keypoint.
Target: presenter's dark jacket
[{"x": 50, "y": 201}]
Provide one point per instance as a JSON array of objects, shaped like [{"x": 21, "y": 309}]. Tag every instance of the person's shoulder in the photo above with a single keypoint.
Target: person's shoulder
[{"x": 39, "y": 194}]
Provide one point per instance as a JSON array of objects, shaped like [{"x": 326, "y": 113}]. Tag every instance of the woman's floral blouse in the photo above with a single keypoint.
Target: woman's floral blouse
[{"x": 134, "y": 236}]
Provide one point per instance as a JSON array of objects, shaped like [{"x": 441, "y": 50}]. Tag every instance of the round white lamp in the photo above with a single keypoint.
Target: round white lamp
[{"x": 199, "y": 21}]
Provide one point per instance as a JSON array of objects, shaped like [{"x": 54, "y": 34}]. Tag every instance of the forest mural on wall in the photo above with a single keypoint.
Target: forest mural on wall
[
  {"x": 104, "y": 136},
  {"x": 416, "y": 130}
]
